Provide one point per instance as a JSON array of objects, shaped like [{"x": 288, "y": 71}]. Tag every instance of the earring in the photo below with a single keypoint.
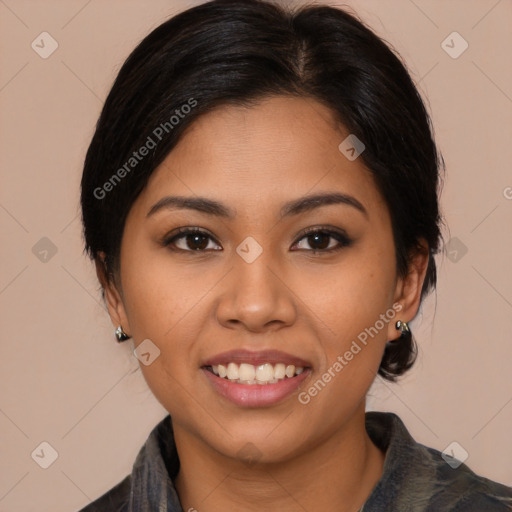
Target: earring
[
  {"x": 121, "y": 335},
  {"x": 403, "y": 328}
]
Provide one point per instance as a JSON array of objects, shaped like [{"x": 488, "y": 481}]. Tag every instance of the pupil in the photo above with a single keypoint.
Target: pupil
[
  {"x": 316, "y": 236},
  {"x": 195, "y": 238}
]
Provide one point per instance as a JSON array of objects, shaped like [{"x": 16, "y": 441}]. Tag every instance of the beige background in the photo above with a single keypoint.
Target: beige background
[{"x": 66, "y": 381}]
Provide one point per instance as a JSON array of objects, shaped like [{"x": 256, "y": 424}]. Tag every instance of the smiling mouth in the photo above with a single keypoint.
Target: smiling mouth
[{"x": 246, "y": 373}]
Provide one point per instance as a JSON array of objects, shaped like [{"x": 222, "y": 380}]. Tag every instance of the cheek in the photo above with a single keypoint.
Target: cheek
[
  {"x": 355, "y": 304},
  {"x": 162, "y": 296},
  {"x": 352, "y": 355},
  {"x": 350, "y": 296},
  {"x": 163, "y": 303},
  {"x": 163, "y": 307}
]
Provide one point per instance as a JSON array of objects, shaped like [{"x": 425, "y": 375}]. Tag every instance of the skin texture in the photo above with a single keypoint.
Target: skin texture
[{"x": 194, "y": 305}]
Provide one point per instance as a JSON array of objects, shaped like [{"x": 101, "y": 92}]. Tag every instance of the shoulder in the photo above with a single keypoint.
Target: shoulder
[
  {"x": 114, "y": 500},
  {"x": 462, "y": 490},
  {"x": 418, "y": 478}
]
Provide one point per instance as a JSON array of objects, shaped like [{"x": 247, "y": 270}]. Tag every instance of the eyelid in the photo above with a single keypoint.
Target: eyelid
[{"x": 324, "y": 228}]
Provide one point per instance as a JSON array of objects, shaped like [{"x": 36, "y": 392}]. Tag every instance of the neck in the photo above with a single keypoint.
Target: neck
[{"x": 337, "y": 474}]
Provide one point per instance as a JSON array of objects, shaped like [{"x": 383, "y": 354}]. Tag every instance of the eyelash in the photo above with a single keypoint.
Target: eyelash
[{"x": 343, "y": 239}]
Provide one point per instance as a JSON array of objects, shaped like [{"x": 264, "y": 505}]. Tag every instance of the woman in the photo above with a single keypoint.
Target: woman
[{"x": 260, "y": 200}]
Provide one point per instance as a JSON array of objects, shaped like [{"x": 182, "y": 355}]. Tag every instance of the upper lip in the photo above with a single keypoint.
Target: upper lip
[{"x": 256, "y": 358}]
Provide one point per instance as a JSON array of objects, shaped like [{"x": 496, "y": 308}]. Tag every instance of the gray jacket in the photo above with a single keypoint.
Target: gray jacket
[{"x": 415, "y": 478}]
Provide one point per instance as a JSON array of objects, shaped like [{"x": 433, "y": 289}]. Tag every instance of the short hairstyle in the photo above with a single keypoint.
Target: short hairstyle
[{"x": 238, "y": 52}]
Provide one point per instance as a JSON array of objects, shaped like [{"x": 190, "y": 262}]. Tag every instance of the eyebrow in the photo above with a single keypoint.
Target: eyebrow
[{"x": 291, "y": 208}]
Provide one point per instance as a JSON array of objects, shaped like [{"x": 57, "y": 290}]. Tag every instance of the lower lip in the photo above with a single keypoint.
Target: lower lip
[{"x": 256, "y": 395}]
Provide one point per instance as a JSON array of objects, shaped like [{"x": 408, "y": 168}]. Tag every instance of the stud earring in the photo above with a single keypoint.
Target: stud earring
[
  {"x": 403, "y": 328},
  {"x": 121, "y": 335}
]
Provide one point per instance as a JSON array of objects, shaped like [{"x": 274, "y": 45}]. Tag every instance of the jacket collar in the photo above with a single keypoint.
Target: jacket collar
[
  {"x": 410, "y": 471},
  {"x": 155, "y": 468}
]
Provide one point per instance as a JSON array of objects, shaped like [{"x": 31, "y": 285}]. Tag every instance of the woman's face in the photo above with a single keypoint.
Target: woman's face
[{"x": 250, "y": 293}]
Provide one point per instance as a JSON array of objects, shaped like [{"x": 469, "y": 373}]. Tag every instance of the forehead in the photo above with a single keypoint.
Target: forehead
[{"x": 279, "y": 149}]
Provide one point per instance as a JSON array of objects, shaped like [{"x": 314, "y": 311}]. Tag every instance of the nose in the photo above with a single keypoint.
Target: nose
[{"x": 256, "y": 296}]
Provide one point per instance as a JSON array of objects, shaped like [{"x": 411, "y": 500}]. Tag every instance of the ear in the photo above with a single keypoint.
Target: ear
[
  {"x": 112, "y": 295},
  {"x": 408, "y": 288}
]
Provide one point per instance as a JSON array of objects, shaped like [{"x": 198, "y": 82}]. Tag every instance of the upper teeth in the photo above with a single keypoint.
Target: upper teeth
[{"x": 262, "y": 374}]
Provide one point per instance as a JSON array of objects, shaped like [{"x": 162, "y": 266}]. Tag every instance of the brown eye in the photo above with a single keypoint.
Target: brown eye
[
  {"x": 195, "y": 240},
  {"x": 324, "y": 240}
]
